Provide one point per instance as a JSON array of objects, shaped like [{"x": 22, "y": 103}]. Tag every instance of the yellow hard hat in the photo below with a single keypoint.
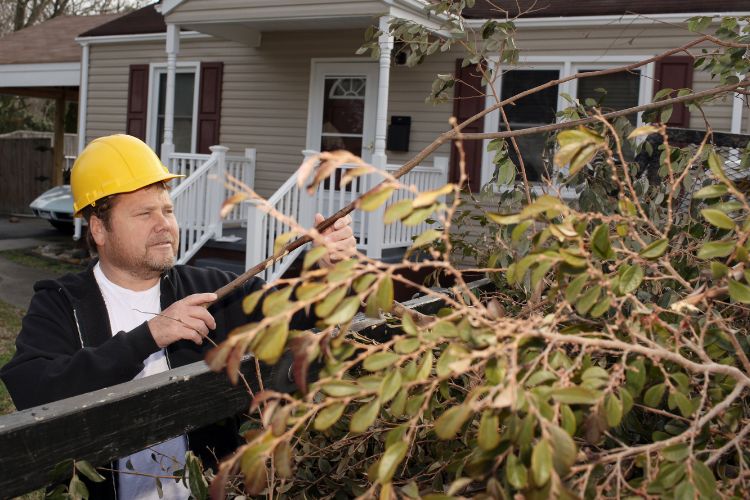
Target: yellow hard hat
[{"x": 114, "y": 164}]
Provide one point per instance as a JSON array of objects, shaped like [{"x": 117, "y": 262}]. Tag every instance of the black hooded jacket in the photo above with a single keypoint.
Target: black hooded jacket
[{"x": 66, "y": 346}]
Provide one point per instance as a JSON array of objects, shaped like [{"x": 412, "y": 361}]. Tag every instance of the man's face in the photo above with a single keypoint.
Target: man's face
[{"x": 143, "y": 235}]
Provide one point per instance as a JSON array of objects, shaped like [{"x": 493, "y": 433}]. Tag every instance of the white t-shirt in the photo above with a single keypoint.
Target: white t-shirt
[{"x": 128, "y": 309}]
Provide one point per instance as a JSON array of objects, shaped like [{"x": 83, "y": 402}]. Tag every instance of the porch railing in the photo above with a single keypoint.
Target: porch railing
[
  {"x": 242, "y": 168},
  {"x": 372, "y": 237},
  {"x": 197, "y": 200}
]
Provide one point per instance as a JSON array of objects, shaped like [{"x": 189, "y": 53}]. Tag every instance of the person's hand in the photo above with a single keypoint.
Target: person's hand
[
  {"x": 340, "y": 240},
  {"x": 185, "y": 319}
]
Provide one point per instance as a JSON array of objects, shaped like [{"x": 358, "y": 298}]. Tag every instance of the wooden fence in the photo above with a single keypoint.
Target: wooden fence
[
  {"x": 103, "y": 425},
  {"x": 25, "y": 172}
]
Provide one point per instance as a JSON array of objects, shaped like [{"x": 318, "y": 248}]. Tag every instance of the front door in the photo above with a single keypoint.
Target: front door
[{"x": 342, "y": 105}]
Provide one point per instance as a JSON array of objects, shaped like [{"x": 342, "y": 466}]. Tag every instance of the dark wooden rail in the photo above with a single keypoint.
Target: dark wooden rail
[{"x": 103, "y": 425}]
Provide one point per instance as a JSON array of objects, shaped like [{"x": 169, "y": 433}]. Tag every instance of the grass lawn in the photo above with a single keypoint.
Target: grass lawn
[
  {"x": 28, "y": 259},
  {"x": 10, "y": 324}
]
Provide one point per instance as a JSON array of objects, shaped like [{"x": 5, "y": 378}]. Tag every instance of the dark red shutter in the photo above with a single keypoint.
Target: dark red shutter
[
  {"x": 137, "y": 101},
  {"x": 675, "y": 72},
  {"x": 209, "y": 105},
  {"x": 469, "y": 100}
]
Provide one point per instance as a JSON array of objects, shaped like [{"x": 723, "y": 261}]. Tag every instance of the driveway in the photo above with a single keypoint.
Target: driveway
[{"x": 17, "y": 281}]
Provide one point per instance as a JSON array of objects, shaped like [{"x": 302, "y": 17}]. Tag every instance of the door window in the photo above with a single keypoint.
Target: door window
[
  {"x": 343, "y": 114},
  {"x": 184, "y": 116}
]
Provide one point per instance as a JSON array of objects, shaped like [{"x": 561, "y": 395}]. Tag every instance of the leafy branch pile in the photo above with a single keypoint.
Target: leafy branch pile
[{"x": 610, "y": 360}]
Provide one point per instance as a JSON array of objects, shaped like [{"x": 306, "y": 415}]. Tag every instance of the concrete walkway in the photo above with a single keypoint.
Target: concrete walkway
[{"x": 17, "y": 282}]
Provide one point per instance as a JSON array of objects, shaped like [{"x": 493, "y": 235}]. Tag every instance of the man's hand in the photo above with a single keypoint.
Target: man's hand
[
  {"x": 340, "y": 240},
  {"x": 185, "y": 319}
]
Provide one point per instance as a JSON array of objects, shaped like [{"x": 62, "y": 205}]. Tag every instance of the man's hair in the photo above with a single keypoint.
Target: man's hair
[{"x": 103, "y": 211}]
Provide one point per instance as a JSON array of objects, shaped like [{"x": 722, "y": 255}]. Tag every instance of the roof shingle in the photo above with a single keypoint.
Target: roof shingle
[{"x": 52, "y": 41}]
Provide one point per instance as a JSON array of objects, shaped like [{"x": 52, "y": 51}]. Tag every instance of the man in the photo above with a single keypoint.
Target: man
[{"x": 133, "y": 313}]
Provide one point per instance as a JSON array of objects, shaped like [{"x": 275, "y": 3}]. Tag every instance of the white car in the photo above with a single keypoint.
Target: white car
[{"x": 56, "y": 205}]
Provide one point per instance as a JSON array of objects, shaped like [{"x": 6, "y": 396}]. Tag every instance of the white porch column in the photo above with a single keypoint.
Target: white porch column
[
  {"x": 173, "y": 47},
  {"x": 379, "y": 159},
  {"x": 215, "y": 191},
  {"x": 381, "y": 118}
]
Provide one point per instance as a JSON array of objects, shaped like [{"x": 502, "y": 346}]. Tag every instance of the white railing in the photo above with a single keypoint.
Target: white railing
[
  {"x": 263, "y": 229},
  {"x": 241, "y": 168},
  {"x": 197, "y": 201},
  {"x": 372, "y": 237},
  {"x": 396, "y": 234}
]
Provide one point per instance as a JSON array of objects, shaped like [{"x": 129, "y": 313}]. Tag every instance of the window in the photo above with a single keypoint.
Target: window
[
  {"x": 531, "y": 111},
  {"x": 624, "y": 90},
  {"x": 343, "y": 114},
  {"x": 185, "y": 108}
]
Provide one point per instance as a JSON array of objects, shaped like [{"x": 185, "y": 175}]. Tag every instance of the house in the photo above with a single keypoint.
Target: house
[{"x": 273, "y": 81}]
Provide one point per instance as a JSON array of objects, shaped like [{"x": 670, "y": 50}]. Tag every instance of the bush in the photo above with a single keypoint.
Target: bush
[{"x": 611, "y": 358}]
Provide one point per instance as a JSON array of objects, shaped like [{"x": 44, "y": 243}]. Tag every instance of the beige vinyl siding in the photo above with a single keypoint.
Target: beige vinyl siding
[
  {"x": 266, "y": 89},
  {"x": 264, "y": 98},
  {"x": 640, "y": 40},
  {"x": 255, "y": 10}
]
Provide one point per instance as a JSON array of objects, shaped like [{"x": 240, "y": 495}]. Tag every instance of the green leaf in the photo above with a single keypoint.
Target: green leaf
[
  {"x": 268, "y": 346},
  {"x": 718, "y": 270},
  {"x": 574, "y": 395},
  {"x": 642, "y": 130},
  {"x": 427, "y": 198},
  {"x": 276, "y": 302},
  {"x": 328, "y": 416},
  {"x": 282, "y": 240},
  {"x": 654, "y": 395},
  {"x": 89, "y": 471},
  {"x": 196, "y": 481},
  {"x": 541, "y": 462},
  {"x": 308, "y": 290},
  {"x": 426, "y": 237},
  {"x": 407, "y": 345},
  {"x": 601, "y": 307},
  {"x": 676, "y": 452},
  {"x": 718, "y": 218},
  {"x": 251, "y": 301},
  {"x": 588, "y": 299},
  {"x": 631, "y": 279},
  {"x": 716, "y": 165},
  {"x": 565, "y": 449},
  {"x": 390, "y": 386},
  {"x": 450, "y": 422},
  {"x": 417, "y": 217},
  {"x": 372, "y": 201},
  {"x": 684, "y": 491},
  {"x": 516, "y": 473},
  {"x": 365, "y": 416},
  {"x": 312, "y": 256},
  {"x": 613, "y": 410},
  {"x": 344, "y": 312},
  {"x": 704, "y": 479},
  {"x": 339, "y": 388},
  {"x": 77, "y": 489},
  {"x": 683, "y": 403},
  {"x": 574, "y": 288},
  {"x": 384, "y": 294},
  {"x": 655, "y": 249},
  {"x": 709, "y": 192},
  {"x": 380, "y": 360},
  {"x": 397, "y": 211},
  {"x": 600, "y": 242},
  {"x": 504, "y": 220},
  {"x": 425, "y": 367},
  {"x": 488, "y": 435},
  {"x": 519, "y": 230},
  {"x": 390, "y": 460},
  {"x": 739, "y": 292},
  {"x": 714, "y": 249},
  {"x": 326, "y": 306}
]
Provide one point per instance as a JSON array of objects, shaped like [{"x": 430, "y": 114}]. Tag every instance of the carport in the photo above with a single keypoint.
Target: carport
[{"x": 44, "y": 61}]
